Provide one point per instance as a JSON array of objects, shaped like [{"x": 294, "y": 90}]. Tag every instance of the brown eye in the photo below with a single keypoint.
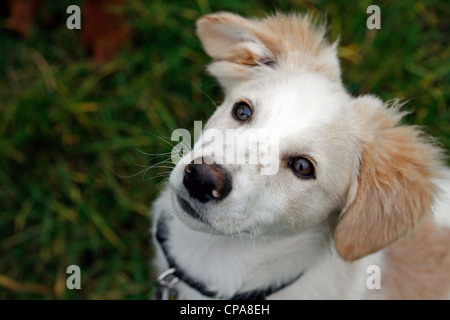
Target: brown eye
[
  {"x": 302, "y": 168},
  {"x": 242, "y": 111}
]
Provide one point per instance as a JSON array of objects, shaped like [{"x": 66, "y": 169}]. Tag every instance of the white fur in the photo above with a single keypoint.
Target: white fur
[{"x": 441, "y": 209}]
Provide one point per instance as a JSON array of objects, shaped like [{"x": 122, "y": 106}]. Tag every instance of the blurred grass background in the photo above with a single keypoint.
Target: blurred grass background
[{"x": 75, "y": 137}]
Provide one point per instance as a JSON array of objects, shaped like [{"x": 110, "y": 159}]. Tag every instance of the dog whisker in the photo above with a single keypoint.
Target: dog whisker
[
  {"x": 129, "y": 176},
  {"x": 206, "y": 95},
  {"x": 152, "y": 154}
]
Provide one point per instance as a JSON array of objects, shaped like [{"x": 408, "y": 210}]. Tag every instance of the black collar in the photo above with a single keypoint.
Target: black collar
[{"x": 162, "y": 235}]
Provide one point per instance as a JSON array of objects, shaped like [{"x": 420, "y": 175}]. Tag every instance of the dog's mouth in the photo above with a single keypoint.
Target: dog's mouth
[
  {"x": 188, "y": 209},
  {"x": 194, "y": 219}
]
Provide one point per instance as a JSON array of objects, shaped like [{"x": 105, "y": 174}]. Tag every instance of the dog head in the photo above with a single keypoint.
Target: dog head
[{"x": 336, "y": 155}]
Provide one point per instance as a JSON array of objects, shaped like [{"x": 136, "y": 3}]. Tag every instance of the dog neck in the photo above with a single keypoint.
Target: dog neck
[
  {"x": 225, "y": 267},
  {"x": 178, "y": 272}
]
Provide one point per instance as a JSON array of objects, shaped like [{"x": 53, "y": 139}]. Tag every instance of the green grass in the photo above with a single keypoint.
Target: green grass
[{"x": 74, "y": 137}]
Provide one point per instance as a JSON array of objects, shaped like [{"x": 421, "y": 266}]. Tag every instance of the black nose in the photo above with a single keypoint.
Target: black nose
[{"x": 206, "y": 181}]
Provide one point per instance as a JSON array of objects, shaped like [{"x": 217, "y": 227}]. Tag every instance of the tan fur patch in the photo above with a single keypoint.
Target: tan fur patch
[
  {"x": 418, "y": 265},
  {"x": 291, "y": 40},
  {"x": 395, "y": 188}
]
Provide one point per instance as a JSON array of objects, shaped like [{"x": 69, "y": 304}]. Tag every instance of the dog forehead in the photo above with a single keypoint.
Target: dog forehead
[{"x": 290, "y": 102}]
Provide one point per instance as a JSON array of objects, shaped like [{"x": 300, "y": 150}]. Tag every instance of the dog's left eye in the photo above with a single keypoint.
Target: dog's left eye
[
  {"x": 242, "y": 111},
  {"x": 303, "y": 168}
]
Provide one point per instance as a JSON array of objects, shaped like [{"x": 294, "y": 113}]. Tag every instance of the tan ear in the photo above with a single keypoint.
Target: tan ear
[
  {"x": 240, "y": 49},
  {"x": 243, "y": 48},
  {"x": 226, "y": 36},
  {"x": 394, "y": 189}
]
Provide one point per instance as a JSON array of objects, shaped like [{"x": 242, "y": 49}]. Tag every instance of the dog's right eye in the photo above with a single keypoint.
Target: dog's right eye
[
  {"x": 242, "y": 111},
  {"x": 303, "y": 168}
]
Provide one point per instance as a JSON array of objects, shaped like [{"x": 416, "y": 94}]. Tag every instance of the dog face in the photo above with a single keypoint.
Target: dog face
[
  {"x": 290, "y": 199},
  {"x": 337, "y": 155}
]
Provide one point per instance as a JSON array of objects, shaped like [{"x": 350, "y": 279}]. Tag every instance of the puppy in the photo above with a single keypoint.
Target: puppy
[{"x": 356, "y": 208}]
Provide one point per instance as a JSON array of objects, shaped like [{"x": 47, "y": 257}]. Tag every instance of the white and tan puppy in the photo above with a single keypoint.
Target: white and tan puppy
[{"x": 357, "y": 208}]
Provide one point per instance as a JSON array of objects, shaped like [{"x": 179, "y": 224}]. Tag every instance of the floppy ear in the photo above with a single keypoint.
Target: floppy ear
[
  {"x": 236, "y": 43},
  {"x": 244, "y": 48},
  {"x": 226, "y": 36},
  {"x": 394, "y": 190}
]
